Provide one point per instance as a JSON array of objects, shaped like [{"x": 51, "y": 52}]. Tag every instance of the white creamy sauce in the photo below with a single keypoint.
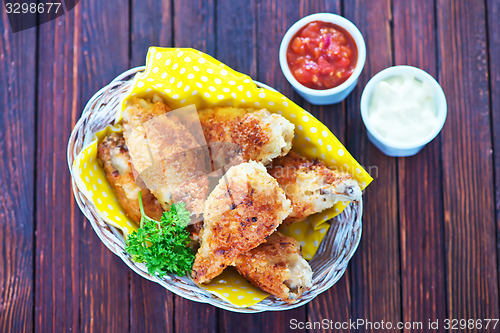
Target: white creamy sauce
[{"x": 403, "y": 109}]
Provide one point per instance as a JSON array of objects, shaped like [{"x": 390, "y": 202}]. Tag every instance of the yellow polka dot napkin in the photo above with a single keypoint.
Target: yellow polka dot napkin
[
  {"x": 235, "y": 289},
  {"x": 186, "y": 76},
  {"x": 91, "y": 180}
]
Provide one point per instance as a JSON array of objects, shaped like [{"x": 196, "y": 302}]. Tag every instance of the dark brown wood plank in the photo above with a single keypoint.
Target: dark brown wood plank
[
  {"x": 104, "y": 285},
  {"x": 194, "y": 26},
  {"x": 375, "y": 267},
  {"x": 59, "y": 221},
  {"x": 420, "y": 181},
  {"x": 246, "y": 41},
  {"x": 335, "y": 303},
  {"x": 151, "y": 25},
  {"x": 151, "y": 305},
  {"x": 17, "y": 153},
  {"x": 195, "y": 317},
  {"x": 273, "y": 17},
  {"x": 237, "y": 48},
  {"x": 470, "y": 241},
  {"x": 492, "y": 13}
]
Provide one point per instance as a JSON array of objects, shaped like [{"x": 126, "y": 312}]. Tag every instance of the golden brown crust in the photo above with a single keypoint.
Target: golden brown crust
[
  {"x": 193, "y": 192},
  {"x": 165, "y": 154},
  {"x": 137, "y": 113},
  {"x": 245, "y": 207},
  {"x": 270, "y": 267},
  {"x": 140, "y": 111},
  {"x": 235, "y": 127},
  {"x": 311, "y": 186},
  {"x": 259, "y": 135},
  {"x": 113, "y": 156}
]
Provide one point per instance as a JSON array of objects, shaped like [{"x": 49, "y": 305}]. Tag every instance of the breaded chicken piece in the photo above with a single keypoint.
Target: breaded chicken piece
[
  {"x": 166, "y": 156},
  {"x": 258, "y": 134},
  {"x": 277, "y": 266},
  {"x": 113, "y": 156},
  {"x": 183, "y": 163},
  {"x": 138, "y": 112},
  {"x": 311, "y": 186},
  {"x": 241, "y": 212},
  {"x": 141, "y": 110}
]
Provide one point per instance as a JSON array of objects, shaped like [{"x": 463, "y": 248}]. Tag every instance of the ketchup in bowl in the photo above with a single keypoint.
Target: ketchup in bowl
[{"x": 322, "y": 55}]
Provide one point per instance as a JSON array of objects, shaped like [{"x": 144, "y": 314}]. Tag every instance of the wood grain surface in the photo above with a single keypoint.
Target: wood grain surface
[
  {"x": 17, "y": 177},
  {"x": 380, "y": 260},
  {"x": 492, "y": 14},
  {"x": 469, "y": 211},
  {"x": 104, "y": 278},
  {"x": 57, "y": 292},
  {"x": 420, "y": 181},
  {"x": 151, "y": 24},
  {"x": 431, "y": 223}
]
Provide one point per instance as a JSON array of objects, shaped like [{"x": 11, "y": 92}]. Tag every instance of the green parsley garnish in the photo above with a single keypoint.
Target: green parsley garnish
[{"x": 163, "y": 245}]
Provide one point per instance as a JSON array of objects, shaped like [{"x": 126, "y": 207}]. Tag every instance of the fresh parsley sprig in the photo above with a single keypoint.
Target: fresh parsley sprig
[{"x": 163, "y": 245}]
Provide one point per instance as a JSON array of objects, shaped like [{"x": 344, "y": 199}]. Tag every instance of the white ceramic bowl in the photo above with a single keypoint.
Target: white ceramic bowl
[
  {"x": 402, "y": 149},
  {"x": 333, "y": 95}
]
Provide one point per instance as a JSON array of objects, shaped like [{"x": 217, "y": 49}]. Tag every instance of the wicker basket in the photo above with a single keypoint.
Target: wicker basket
[{"x": 328, "y": 264}]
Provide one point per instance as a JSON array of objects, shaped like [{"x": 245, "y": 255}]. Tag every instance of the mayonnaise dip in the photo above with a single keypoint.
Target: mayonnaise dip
[{"x": 402, "y": 109}]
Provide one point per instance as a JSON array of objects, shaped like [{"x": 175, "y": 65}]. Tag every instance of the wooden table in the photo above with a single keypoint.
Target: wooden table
[{"x": 431, "y": 238}]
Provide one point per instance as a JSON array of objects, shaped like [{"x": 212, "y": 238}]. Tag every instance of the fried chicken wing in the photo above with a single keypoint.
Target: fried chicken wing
[
  {"x": 258, "y": 134},
  {"x": 112, "y": 154},
  {"x": 277, "y": 266},
  {"x": 311, "y": 186},
  {"x": 244, "y": 208},
  {"x": 166, "y": 155},
  {"x": 138, "y": 112}
]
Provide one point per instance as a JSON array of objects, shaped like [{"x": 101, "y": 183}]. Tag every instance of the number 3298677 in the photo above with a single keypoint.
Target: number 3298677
[
  {"x": 456, "y": 324},
  {"x": 32, "y": 8}
]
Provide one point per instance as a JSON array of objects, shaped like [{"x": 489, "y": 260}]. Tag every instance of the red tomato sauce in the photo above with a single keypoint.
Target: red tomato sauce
[{"x": 322, "y": 55}]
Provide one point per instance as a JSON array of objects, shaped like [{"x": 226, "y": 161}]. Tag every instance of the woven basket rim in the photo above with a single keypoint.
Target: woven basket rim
[{"x": 329, "y": 263}]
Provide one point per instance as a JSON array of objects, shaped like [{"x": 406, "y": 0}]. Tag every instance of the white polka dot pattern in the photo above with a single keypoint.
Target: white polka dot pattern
[{"x": 232, "y": 287}]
